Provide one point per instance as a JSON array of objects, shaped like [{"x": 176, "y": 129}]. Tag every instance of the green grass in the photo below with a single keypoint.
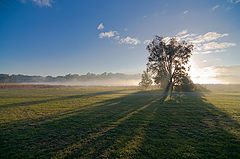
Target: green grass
[{"x": 117, "y": 123}]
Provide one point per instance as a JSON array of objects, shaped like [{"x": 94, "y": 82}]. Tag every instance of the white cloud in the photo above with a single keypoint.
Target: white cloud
[
  {"x": 187, "y": 36},
  {"x": 100, "y": 26},
  {"x": 206, "y": 43},
  {"x": 212, "y": 47},
  {"x": 182, "y": 33},
  {"x": 146, "y": 42},
  {"x": 117, "y": 37},
  {"x": 186, "y": 12},
  {"x": 210, "y": 36},
  {"x": 129, "y": 40},
  {"x": 215, "y": 45},
  {"x": 207, "y": 51},
  {"x": 108, "y": 34},
  {"x": 215, "y": 7},
  {"x": 43, "y": 3}
]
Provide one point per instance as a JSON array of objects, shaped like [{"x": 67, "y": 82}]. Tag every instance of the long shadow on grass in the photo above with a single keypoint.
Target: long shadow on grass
[
  {"x": 138, "y": 126},
  {"x": 190, "y": 127},
  {"x": 185, "y": 127},
  {"x": 69, "y": 132},
  {"x": 20, "y": 104}
]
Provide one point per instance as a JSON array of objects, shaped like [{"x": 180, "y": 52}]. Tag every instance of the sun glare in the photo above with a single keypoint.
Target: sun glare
[{"x": 205, "y": 75}]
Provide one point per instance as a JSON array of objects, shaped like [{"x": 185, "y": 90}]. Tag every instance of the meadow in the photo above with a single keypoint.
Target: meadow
[{"x": 117, "y": 122}]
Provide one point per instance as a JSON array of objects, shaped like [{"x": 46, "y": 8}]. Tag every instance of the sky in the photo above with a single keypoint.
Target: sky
[{"x": 57, "y": 37}]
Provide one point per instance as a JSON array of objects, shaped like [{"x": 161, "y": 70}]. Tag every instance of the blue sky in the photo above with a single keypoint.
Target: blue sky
[{"x": 57, "y": 37}]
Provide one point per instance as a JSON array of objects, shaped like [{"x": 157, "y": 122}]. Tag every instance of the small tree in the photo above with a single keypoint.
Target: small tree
[
  {"x": 167, "y": 61},
  {"x": 146, "y": 80}
]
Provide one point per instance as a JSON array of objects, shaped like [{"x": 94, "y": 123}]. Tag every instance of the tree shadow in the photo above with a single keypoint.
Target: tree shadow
[
  {"x": 138, "y": 125},
  {"x": 190, "y": 127},
  {"x": 20, "y": 104},
  {"x": 46, "y": 136}
]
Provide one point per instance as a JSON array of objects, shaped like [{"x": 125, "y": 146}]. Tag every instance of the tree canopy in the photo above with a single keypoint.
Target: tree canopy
[{"x": 167, "y": 61}]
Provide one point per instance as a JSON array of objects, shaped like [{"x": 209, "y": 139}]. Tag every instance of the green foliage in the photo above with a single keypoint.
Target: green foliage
[
  {"x": 146, "y": 80},
  {"x": 168, "y": 60}
]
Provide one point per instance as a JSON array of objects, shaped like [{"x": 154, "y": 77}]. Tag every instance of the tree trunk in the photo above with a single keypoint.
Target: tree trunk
[
  {"x": 168, "y": 90},
  {"x": 168, "y": 87},
  {"x": 171, "y": 89}
]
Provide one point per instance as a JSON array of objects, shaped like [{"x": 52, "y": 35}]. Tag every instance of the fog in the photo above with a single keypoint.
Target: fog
[
  {"x": 93, "y": 83},
  {"x": 89, "y": 79}
]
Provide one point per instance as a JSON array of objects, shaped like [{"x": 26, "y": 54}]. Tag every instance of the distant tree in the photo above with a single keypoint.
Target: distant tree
[
  {"x": 146, "y": 80},
  {"x": 4, "y": 78},
  {"x": 168, "y": 60}
]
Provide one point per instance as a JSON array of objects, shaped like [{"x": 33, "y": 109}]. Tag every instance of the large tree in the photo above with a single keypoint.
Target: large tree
[{"x": 167, "y": 61}]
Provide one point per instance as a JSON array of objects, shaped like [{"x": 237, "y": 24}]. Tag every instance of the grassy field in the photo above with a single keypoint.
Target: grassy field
[{"x": 117, "y": 122}]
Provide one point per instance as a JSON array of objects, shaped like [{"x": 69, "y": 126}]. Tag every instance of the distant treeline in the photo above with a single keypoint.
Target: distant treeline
[{"x": 6, "y": 78}]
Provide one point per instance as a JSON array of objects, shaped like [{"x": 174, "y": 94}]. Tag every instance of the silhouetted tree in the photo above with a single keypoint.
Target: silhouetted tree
[
  {"x": 167, "y": 61},
  {"x": 146, "y": 80}
]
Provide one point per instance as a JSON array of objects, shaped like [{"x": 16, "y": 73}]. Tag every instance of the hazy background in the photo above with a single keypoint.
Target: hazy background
[{"x": 57, "y": 37}]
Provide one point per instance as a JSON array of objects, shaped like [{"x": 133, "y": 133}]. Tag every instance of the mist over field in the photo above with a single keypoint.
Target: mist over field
[
  {"x": 126, "y": 79},
  {"x": 93, "y": 83},
  {"x": 89, "y": 79}
]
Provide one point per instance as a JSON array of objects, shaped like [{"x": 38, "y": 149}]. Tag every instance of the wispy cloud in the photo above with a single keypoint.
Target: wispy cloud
[
  {"x": 199, "y": 51},
  {"x": 186, "y": 12},
  {"x": 187, "y": 36},
  {"x": 182, "y": 33},
  {"x": 41, "y": 3},
  {"x": 108, "y": 34},
  {"x": 206, "y": 43},
  {"x": 215, "y": 7},
  {"x": 129, "y": 40},
  {"x": 117, "y": 37},
  {"x": 215, "y": 45},
  {"x": 100, "y": 26},
  {"x": 210, "y": 36}
]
